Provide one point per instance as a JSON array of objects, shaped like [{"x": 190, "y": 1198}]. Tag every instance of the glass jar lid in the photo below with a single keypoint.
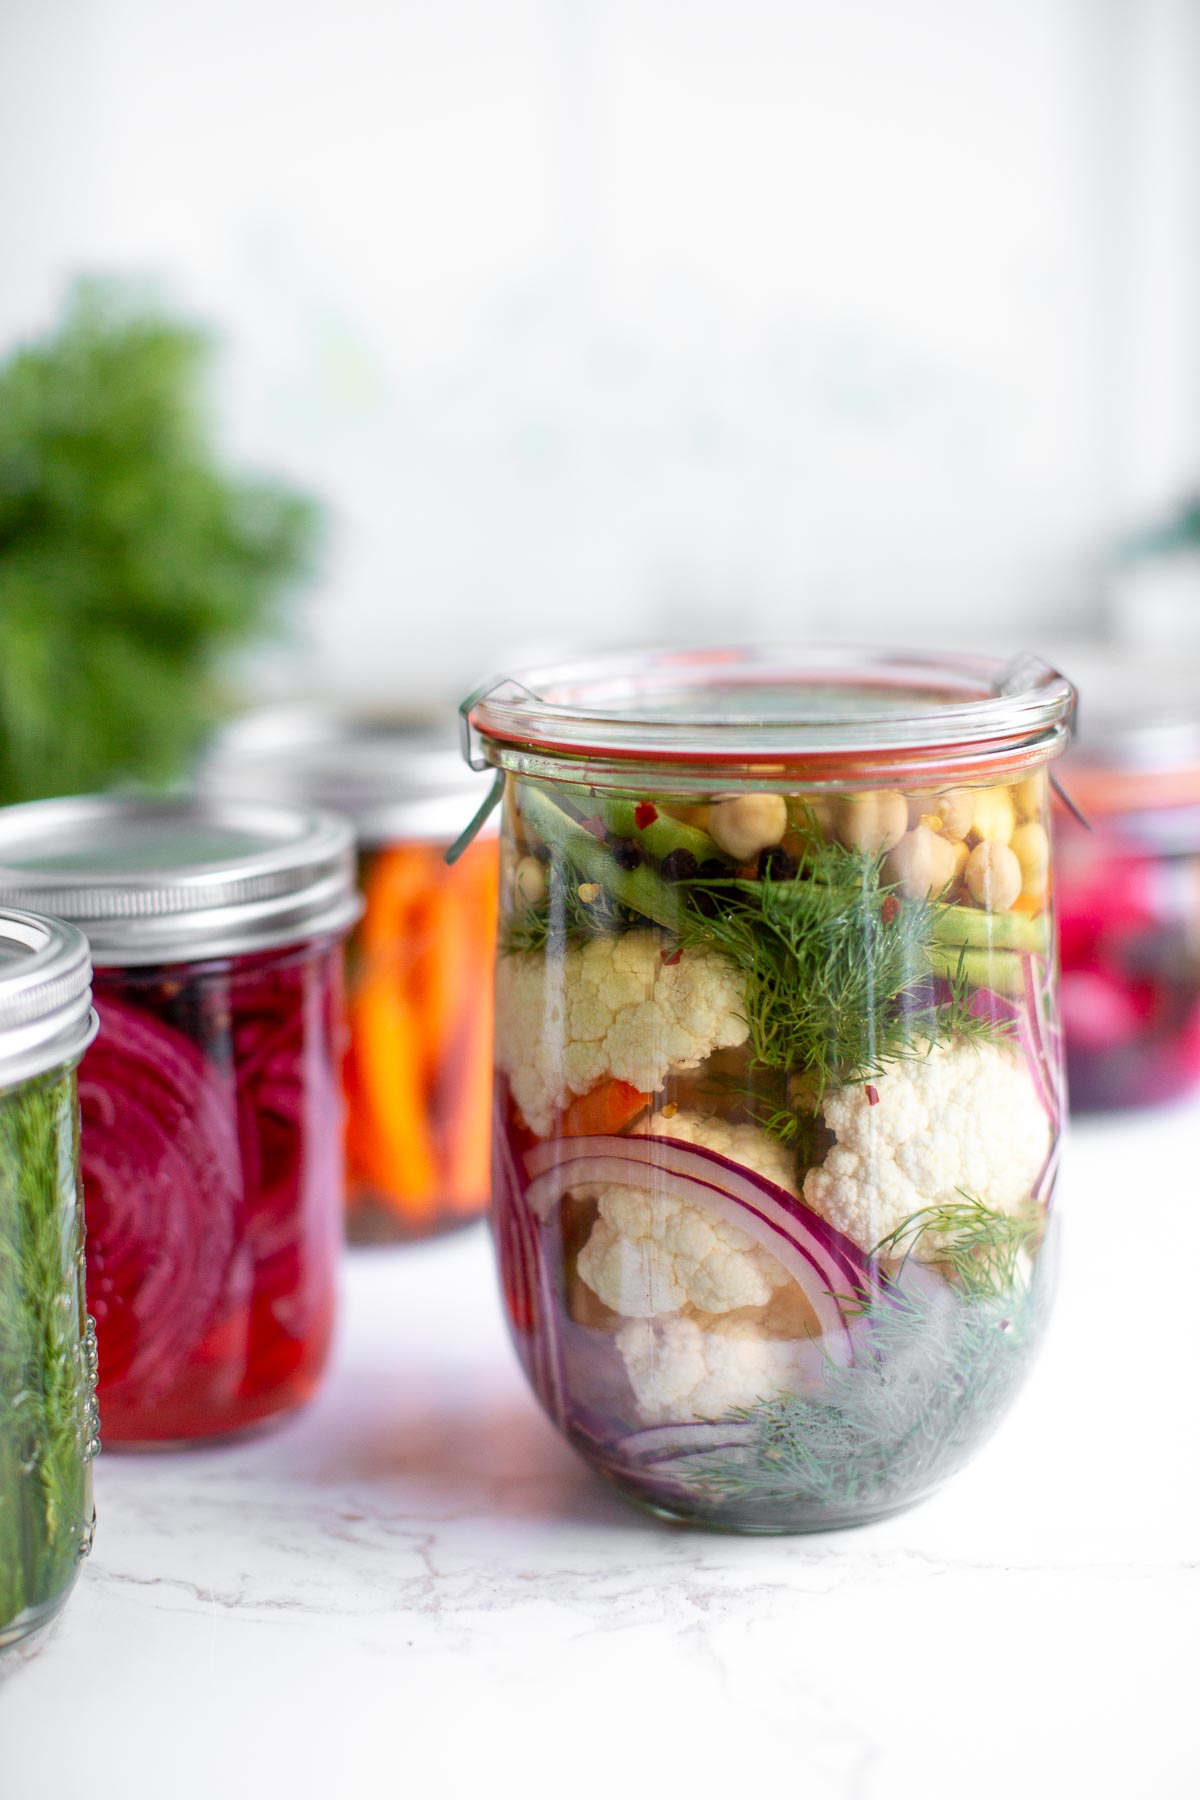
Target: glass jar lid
[
  {"x": 756, "y": 715},
  {"x": 395, "y": 776},
  {"x": 174, "y": 880},
  {"x": 46, "y": 1016}
]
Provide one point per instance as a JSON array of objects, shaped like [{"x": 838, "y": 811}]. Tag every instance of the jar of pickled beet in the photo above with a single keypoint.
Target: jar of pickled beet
[
  {"x": 47, "y": 1346},
  {"x": 418, "y": 1065},
  {"x": 778, "y": 1085},
  {"x": 1130, "y": 898},
  {"x": 211, "y": 1107}
]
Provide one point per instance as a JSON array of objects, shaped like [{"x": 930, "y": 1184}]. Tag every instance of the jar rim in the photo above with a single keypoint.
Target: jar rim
[
  {"x": 823, "y": 713},
  {"x": 46, "y": 1017},
  {"x": 177, "y": 879}
]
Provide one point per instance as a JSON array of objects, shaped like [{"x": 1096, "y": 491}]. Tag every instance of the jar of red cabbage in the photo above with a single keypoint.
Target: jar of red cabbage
[
  {"x": 778, "y": 1085},
  {"x": 47, "y": 1345},
  {"x": 418, "y": 1068},
  {"x": 211, "y": 1142},
  {"x": 1129, "y": 892}
]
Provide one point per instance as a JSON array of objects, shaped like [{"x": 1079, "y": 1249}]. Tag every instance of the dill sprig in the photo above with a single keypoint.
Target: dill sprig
[
  {"x": 938, "y": 1364},
  {"x": 984, "y": 1250},
  {"x": 562, "y": 919},
  {"x": 836, "y": 969},
  {"x": 47, "y": 1371}
]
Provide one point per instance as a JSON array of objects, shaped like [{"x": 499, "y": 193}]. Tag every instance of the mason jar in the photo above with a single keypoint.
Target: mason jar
[
  {"x": 48, "y": 1420},
  {"x": 1129, "y": 888},
  {"x": 418, "y": 1068},
  {"x": 778, "y": 1066},
  {"x": 211, "y": 1103}
]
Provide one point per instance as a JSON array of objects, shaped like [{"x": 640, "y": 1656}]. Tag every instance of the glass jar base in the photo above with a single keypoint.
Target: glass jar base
[
  {"x": 371, "y": 1225},
  {"x": 206, "y": 1439},
  {"x": 731, "y": 1523},
  {"x": 34, "y": 1620}
]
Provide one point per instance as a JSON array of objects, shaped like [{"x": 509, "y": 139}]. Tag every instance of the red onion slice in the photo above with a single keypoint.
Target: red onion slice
[
  {"x": 827, "y": 1268},
  {"x": 525, "y": 1275}
]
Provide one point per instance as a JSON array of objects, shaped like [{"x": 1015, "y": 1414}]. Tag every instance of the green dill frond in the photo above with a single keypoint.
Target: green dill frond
[
  {"x": 984, "y": 1249},
  {"x": 562, "y": 920},
  {"x": 133, "y": 561},
  {"x": 831, "y": 962},
  {"x": 47, "y": 1415},
  {"x": 939, "y": 1373}
]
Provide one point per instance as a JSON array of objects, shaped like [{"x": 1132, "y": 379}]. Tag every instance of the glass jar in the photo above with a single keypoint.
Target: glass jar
[
  {"x": 211, "y": 1144},
  {"x": 418, "y": 1066},
  {"x": 48, "y": 1418},
  {"x": 1129, "y": 892},
  {"x": 778, "y": 1087}
]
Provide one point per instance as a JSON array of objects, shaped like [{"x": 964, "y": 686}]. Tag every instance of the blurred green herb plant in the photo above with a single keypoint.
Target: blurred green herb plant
[{"x": 132, "y": 562}]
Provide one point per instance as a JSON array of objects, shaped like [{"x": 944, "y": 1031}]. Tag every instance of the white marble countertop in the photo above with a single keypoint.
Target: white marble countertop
[{"x": 416, "y": 1589}]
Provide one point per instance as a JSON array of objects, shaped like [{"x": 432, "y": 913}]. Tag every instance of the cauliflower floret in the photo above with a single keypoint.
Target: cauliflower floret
[
  {"x": 651, "y": 1253},
  {"x": 964, "y": 1120},
  {"x": 612, "y": 1008},
  {"x": 683, "y": 1369}
]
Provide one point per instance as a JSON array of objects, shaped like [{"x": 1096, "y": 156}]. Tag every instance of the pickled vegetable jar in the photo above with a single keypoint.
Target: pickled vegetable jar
[
  {"x": 778, "y": 1086},
  {"x": 211, "y": 1142},
  {"x": 1130, "y": 906},
  {"x": 47, "y": 1346},
  {"x": 419, "y": 990}
]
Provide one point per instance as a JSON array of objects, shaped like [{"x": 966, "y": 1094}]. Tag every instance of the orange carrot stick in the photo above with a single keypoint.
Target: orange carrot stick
[
  {"x": 392, "y": 1132},
  {"x": 606, "y": 1109}
]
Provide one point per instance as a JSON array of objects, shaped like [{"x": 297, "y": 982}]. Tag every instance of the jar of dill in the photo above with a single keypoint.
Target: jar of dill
[
  {"x": 48, "y": 1419},
  {"x": 778, "y": 1068}
]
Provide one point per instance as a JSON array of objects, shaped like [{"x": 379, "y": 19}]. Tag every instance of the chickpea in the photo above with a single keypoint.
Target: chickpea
[
  {"x": 748, "y": 824},
  {"x": 1031, "y": 847},
  {"x": 956, "y": 809},
  {"x": 993, "y": 876},
  {"x": 961, "y": 855},
  {"x": 529, "y": 881},
  {"x": 922, "y": 863},
  {"x": 1029, "y": 796},
  {"x": 993, "y": 820},
  {"x": 871, "y": 822}
]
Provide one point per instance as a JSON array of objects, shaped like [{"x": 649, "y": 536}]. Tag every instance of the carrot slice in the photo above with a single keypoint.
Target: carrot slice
[
  {"x": 606, "y": 1109},
  {"x": 395, "y": 1147}
]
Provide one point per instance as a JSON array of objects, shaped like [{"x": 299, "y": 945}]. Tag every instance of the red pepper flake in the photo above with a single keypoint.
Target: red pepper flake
[
  {"x": 889, "y": 909},
  {"x": 644, "y": 815},
  {"x": 872, "y": 1095},
  {"x": 596, "y": 827},
  {"x": 671, "y": 957}
]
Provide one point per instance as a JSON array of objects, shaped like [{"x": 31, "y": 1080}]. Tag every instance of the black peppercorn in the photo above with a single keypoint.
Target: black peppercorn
[
  {"x": 708, "y": 902},
  {"x": 679, "y": 865},
  {"x": 778, "y": 863},
  {"x": 626, "y": 854}
]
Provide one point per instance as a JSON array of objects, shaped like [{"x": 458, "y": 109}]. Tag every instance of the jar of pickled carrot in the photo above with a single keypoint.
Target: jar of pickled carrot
[
  {"x": 210, "y": 1101},
  {"x": 419, "y": 971},
  {"x": 778, "y": 1094}
]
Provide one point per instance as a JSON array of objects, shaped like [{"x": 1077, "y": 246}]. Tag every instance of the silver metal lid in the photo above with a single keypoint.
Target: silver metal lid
[
  {"x": 395, "y": 776},
  {"x": 46, "y": 1017},
  {"x": 179, "y": 879}
]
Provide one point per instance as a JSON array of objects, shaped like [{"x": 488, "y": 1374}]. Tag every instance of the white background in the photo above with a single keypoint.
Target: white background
[{"x": 600, "y": 319}]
